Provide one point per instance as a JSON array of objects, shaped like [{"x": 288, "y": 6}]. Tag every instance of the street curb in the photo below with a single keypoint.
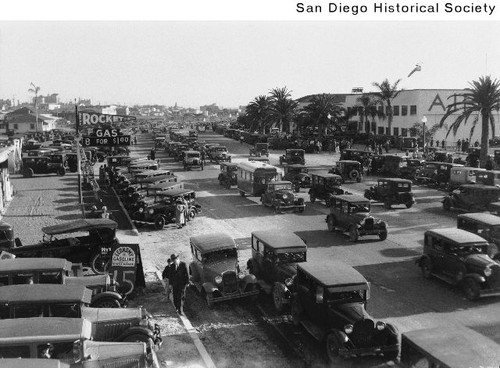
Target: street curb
[
  {"x": 133, "y": 231},
  {"x": 192, "y": 332}
]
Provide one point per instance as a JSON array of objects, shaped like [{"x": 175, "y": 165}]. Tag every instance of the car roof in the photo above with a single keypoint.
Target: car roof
[
  {"x": 456, "y": 346},
  {"x": 354, "y": 198},
  {"x": 47, "y": 328},
  {"x": 212, "y": 242},
  {"x": 333, "y": 273},
  {"x": 484, "y": 217},
  {"x": 45, "y": 292},
  {"x": 395, "y": 180},
  {"x": 79, "y": 225},
  {"x": 34, "y": 264},
  {"x": 280, "y": 239},
  {"x": 33, "y": 362},
  {"x": 229, "y": 164},
  {"x": 175, "y": 192},
  {"x": 457, "y": 235},
  {"x": 277, "y": 182}
]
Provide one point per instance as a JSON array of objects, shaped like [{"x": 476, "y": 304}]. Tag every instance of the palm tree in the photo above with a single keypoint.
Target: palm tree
[
  {"x": 386, "y": 94},
  {"x": 479, "y": 100},
  {"x": 367, "y": 108},
  {"x": 322, "y": 112},
  {"x": 283, "y": 108},
  {"x": 35, "y": 90},
  {"x": 258, "y": 112}
]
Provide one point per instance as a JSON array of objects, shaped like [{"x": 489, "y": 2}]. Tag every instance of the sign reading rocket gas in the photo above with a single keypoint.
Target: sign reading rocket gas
[
  {"x": 93, "y": 118},
  {"x": 126, "y": 267}
]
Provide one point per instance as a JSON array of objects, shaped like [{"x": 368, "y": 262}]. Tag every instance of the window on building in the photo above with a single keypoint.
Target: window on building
[
  {"x": 387, "y": 132},
  {"x": 404, "y": 132},
  {"x": 395, "y": 110},
  {"x": 16, "y": 126},
  {"x": 380, "y": 109},
  {"x": 413, "y": 109},
  {"x": 360, "y": 126},
  {"x": 380, "y": 130},
  {"x": 396, "y": 131},
  {"x": 32, "y": 126},
  {"x": 387, "y": 110},
  {"x": 404, "y": 110}
]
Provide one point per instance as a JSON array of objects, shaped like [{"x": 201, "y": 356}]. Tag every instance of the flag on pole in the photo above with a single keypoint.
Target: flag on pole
[{"x": 416, "y": 69}]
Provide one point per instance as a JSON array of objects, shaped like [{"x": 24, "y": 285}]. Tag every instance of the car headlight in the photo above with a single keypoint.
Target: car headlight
[
  {"x": 218, "y": 279},
  {"x": 151, "y": 211},
  {"x": 285, "y": 196},
  {"x": 487, "y": 271},
  {"x": 141, "y": 210},
  {"x": 362, "y": 222},
  {"x": 241, "y": 275},
  {"x": 380, "y": 325},
  {"x": 348, "y": 329}
]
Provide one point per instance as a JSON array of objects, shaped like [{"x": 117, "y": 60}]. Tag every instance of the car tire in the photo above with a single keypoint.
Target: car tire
[
  {"x": 447, "y": 204},
  {"x": 228, "y": 185},
  {"x": 331, "y": 223},
  {"x": 99, "y": 264},
  {"x": 296, "y": 312},
  {"x": 312, "y": 198},
  {"x": 353, "y": 233},
  {"x": 279, "y": 297},
  {"x": 354, "y": 175},
  {"x": 387, "y": 205},
  {"x": 277, "y": 209},
  {"x": 108, "y": 302},
  {"x": 471, "y": 289},
  {"x": 426, "y": 267},
  {"x": 61, "y": 171},
  {"x": 191, "y": 214},
  {"x": 159, "y": 223},
  {"x": 382, "y": 235},
  {"x": 333, "y": 346},
  {"x": 409, "y": 205},
  {"x": 30, "y": 172}
]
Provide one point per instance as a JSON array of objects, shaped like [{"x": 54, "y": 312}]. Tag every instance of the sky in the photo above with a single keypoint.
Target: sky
[{"x": 230, "y": 63}]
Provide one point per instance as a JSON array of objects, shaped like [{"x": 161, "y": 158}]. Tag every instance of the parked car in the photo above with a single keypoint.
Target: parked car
[
  {"x": 392, "y": 165},
  {"x": 488, "y": 177},
  {"x": 70, "y": 341},
  {"x": 391, "y": 191},
  {"x": 437, "y": 173},
  {"x": 53, "y": 164},
  {"x": 72, "y": 301},
  {"x": 192, "y": 159},
  {"x": 462, "y": 175},
  {"x": 219, "y": 154},
  {"x": 352, "y": 154},
  {"x": 228, "y": 174},
  {"x": 214, "y": 269},
  {"x": 351, "y": 213},
  {"x": 448, "y": 346},
  {"x": 260, "y": 149},
  {"x": 471, "y": 197},
  {"x": 324, "y": 185},
  {"x": 407, "y": 143},
  {"x": 460, "y": 258},
  {"x": 279, "y": 195},
  {"x": 298, "y": 174},
  {"x": 275, "y": 254},
  {"x": 6, "y": 236},
  {"x": 486, "y": 226},
  {"x": 348, "y": 170},
  {"x": 60, "y": 271},
  {"x": 412, "y": 168},
  {"x": 329, "y": 300},
  {"x": 293, "y": 156},
  {"x": 91, "y": 250}
]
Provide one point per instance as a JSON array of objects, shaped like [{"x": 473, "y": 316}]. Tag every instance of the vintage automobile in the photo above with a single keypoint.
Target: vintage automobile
[
  {"x": 486, "y": 226},
  {"x": 53, "y": 164},
  {"x": 329, "y": 299},
  {"x": 45, "y": 151},
  {"x": 462, "y": 175},
  {"x": 70, "y": 341},
  {"x": 275, "y": 254},
  {"x": 355, "y": 154},
  {"x": 392, "y": 165},
  {"x": 279, "y": 195},
  {"x": 471, "y": 197},
  {"x": 260, "y": 159},
  {"x": 171, "y": 147},
  {"x": 444, "y": 172},
  {"x": 6, "y": 236},
  {"x": 324, "y": 185},
  {"x": 192, "y": 160},
  {"x": 351, "y": 213},
  {"x": 391, "y": 191},
  {"x": 349, "y": 170},
  {"x": 437, "y": 173},
  {"x": 72, "y": 301},
  {"x": 488, "y": 177},
  {"x": 91, "y": 250},
  {"x": 460, "y": 258},
  {"x": 179, "y": 151},
  {"x": 412, "y": 168},
  {"x": 448, "y": 346},
  {"x": 214, "y": 270},
  {"x": 33, "y": 363},
  {"x": 260, "y": 149},
  {"x": 407, "y": 143},
  {"x": 60, "y": 271},
  {"x": 118, "y": 160},
  {"x": 135, "y": 167},
  {"x": 160, "y": 141},
  {"x": 293, "y": 156},
  {"x": 299, "y": 175},
  {"x": 228, "y": 174},
  {"x": 218, "y": 154},
  {"x": 146, "y": 178}
]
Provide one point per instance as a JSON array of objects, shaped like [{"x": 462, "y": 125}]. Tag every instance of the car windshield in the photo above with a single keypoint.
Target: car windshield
[
  {"x": 359, "y": 207},
  {"x": 355, "y": 296},
  {"x": 282, "y": 186},
  {"x": 332, "y": 182},
  {"x": 220, "y": 255},
  {"x": 465, "y": 250},
  {"x": 290, "y": 257},
  {"x": 193, "y": 155}
]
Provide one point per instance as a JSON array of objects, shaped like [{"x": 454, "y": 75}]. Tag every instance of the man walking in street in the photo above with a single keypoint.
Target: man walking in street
[{"x": 178, "y": 279}]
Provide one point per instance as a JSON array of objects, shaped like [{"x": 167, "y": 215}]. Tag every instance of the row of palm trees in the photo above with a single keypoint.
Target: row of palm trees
[{"x": 476, "y": 103}]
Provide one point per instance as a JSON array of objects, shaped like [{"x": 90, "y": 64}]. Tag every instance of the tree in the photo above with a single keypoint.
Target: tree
[
  {"x": 258, "y": 112},
  {"x": 386, "y": 94},
  {"x": 366, "y": 105},
  {"x": 479, "y": 100},
  {"x": 35, "y": 90},
  {"x": 283, "y": 109},
  {"x": 322, "y": 112},
  {"x": 417, "y": 130}
]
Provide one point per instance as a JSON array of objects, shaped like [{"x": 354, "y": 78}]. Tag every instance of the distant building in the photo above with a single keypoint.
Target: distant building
[{"x": 24, "y": 120}]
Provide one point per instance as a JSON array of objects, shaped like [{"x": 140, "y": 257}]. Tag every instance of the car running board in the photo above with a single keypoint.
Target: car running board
[{"x": 314, "y": 330}]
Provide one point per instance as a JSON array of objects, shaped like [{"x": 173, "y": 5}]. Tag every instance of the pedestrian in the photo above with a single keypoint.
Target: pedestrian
[
  {"x": 202, "y": 153},
  {"x": 489, "y": 163},
  {"x": 432, "y": 141},
  {"x": 465, "y": 145},
  {"x": 380, "y": 151},
  {"x": 459, "y": 145},
  {"x": 166, "y": 277},
  {"x": 46, "y": 351},
  {"x": 105, "y": 213},
  {"x": 179, "y": 213},
  {"x": 135, "y": 140},
  {"x": 443, "y": 144},
  {"x": 178, "y": 279},
  {"x": 186, "y": 210},
  {"x": 387, "y": 146},
  {"x": 241, "y": 139},
  {"x": 318, "y": 147},
  {"x": 476, "y": 143}
]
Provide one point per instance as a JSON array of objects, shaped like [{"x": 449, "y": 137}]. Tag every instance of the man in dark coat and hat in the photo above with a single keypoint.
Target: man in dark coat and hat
[{"x": 178, "y": 279}]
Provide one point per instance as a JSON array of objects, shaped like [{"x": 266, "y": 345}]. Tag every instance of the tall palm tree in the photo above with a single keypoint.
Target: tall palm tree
[
  {"x": 35, "y": 90},
  {"x": 283, "y": 108},
  {"x": 479, "y": 100},
  {"x": 322, "y": 112},
  {"x": 367, "y": 107},
  {"x": 258, "y": 112},
  {"x": 385, "y": 94}
]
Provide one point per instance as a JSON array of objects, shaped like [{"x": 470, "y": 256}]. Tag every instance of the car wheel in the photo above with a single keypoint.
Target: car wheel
[
  {"x": 61, "y": 171},
  {"x": 331, "y": 223},
  {"x": 353, "y": 233},
  {"x": 228, "y": 185},
  {"x": 387, "y": 205},
  {"x": 354, "y": 175},
  {"x": 296, "y": 312},
  {"x": 159, "y": 223},
  {"x": 447, "y": 204},
  {"x": 409, "y": 204},
  {"x": 426, "y": 268},
  {"x": 108, "y": 302},
  {"x": 278, "y": 297},
  {"x": 99, "y": 264},
  {"x": 242, "y": 193},
  {"x": 30, "y": 173},
  {"x": 382, "y": 235},
  {"x": 471, "y": 289},
  {"x": 333, "y": 346},
  {"x": 277, "y": 209},
  {"x": 312, "y": 198},
  {"x": 191, "y": 214}
]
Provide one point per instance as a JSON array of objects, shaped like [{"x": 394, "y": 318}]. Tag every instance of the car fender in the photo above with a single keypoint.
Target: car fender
[
  {"x": 341, "y": 336},
  {"x": 209, "y": 287},
  {"x": 134, "y": 330},
  {"x": 249, "y": 279},
  {"x": 476, "y": 277},
  {"x": 107, "y": 294}
]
